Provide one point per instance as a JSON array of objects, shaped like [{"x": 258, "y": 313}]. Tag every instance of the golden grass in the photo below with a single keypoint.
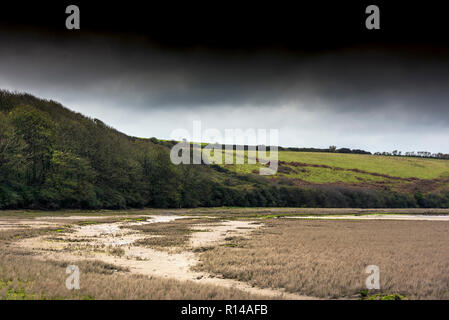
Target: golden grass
[
  {"x": 22, "y": 277},
  {"x": 22, "y": 233},
  {"x": 328, "y": 258},
  {"x": 309, "y": 257}
]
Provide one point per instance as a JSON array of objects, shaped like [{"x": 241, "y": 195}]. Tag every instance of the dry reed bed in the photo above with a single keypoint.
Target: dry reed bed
[
  {"x": 22, "y": 277},
  {"x": 328, "y": 258}
]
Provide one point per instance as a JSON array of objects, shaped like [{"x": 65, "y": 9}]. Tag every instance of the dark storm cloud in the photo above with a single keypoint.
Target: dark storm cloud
[
  {"x": 406, "y": 87},
  {"x": 353, "y": 79}
]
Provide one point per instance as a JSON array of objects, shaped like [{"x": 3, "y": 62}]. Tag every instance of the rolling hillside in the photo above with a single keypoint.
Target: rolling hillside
[{"x": 403, "y": 174}]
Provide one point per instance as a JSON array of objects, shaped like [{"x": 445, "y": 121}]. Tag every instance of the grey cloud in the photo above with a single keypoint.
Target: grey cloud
[{"x": 384, "y": 90}]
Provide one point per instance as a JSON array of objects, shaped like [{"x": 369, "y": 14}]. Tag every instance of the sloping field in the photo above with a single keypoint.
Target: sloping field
[
  {"x": 403, "y": 167},
  {"x": 399, "y": 173}
]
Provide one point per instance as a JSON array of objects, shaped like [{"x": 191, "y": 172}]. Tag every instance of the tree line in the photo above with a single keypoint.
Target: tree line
[{"x": 418, "y": 154}]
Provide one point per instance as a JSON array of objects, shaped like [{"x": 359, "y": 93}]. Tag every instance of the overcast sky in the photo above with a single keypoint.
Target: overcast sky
[{"x": 372, "y": 98}]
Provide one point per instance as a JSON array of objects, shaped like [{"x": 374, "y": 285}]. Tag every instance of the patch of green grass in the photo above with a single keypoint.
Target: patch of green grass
[
  {"x": 134, "y": 219},
  {"x": 86, "y": 223},
  {"x": 363, "y": 293},
  {"x": 328, "y": 175},
  {"x": 382, "y": 296},
  {"x": 14, "y": 290}
]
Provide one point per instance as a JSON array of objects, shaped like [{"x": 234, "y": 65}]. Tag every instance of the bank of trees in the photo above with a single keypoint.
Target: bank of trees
[
  {"x": 325, "y": 197},
  {"x": 331, "y": 149},
  {"x": 53, "y": 158},
  {"x": 418, "y": 154}
]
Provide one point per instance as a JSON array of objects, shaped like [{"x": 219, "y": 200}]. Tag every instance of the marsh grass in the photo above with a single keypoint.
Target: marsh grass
[
  {"x": 328, "y": 258},
  {"x": 23, "y": 233},
  {"x": 116, "y": 251},
  {"x": 23, "y": 277},
  {"x": 310, "y": 257}
]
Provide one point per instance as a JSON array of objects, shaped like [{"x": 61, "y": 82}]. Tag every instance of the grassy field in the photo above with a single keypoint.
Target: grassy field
[
  {"x": 403, "y": 167},
  {"x": 354, "y": 169}
]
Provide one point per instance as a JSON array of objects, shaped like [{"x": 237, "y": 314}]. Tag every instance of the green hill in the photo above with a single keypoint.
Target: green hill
[
  {"x": 399, "y": 173},
  {"x": 51, "y": 158}
]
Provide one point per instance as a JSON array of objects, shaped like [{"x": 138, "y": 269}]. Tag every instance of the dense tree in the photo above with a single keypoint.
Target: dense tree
[
  {"x": 163, "y": 182},
  {"x": 69, "y": 183},
  {"x": 35, "y": 129}
]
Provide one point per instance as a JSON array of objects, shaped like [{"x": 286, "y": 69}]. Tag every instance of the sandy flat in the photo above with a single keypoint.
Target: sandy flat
[{"x": 213, "y": 234}]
